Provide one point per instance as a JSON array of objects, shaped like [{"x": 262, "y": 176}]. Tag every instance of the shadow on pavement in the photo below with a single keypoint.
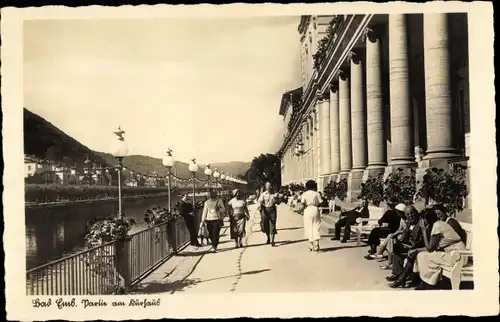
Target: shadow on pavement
[
  {"x": 289, "y": 242},
  {"x": 291, "y": 228},
  {"x": 193, "y": 253},
  {"x": 332, "y": 249},
  {"x": 181, "y": 285}
]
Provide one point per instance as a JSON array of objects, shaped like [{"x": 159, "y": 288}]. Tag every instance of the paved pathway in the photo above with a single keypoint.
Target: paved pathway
[{"x": 288, "y": 267}]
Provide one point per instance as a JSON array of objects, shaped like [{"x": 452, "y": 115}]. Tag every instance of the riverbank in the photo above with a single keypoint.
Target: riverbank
[
  {"x": 94, "y": 201},
  {"x": 174, "y": 193}
]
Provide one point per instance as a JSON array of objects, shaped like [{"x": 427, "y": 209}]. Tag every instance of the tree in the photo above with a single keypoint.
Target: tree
[
  {"x": 54, "y": 153},
  {"x": 35, "y": 178},
  {"x": 264, "y": 168}
]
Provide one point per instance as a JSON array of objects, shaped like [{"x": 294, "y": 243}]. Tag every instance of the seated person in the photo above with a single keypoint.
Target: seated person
[
  {"x": 446, "y": 236},
  {"x": 388, "y": 223},
  {"x": 415, "y": 237},
  {"x": 389, "y": 240},
  {"x": 324, "y": 204},
  {"x": 348, "y": 218}
]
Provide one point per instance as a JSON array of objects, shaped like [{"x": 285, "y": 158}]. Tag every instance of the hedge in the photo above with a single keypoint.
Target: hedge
[{"x": 38, "y": 193}]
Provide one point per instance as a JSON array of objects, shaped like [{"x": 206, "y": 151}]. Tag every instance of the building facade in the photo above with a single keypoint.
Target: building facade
[{"x": 379, "y": 92}]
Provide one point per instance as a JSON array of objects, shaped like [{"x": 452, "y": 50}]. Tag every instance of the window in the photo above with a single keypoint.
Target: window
[{"x": 29, "y": 168}]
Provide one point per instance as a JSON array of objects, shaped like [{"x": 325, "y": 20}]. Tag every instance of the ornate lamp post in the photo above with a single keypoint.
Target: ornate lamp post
[
  {"x": 216, "y": 176},
  {"x": 222, "y": 179},
  {"x": 193, "y": 167},
  {"x": 169, "y": 162},
  {"x": 120, "y": 152},
  {"x": 208, "y": 173}
]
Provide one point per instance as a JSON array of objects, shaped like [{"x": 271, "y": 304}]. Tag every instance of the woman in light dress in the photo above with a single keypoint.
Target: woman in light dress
[
  {"x": 446, "y": 236},
  {"x": 239, "y": 215},
  {"x": 311, "y": 200}
]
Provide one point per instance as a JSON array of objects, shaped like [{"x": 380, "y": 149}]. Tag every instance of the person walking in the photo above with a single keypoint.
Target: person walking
[
  {"x": 238, "y": 214},
  {"x": 267, "y": 202},
  {"x": 213, "y": 211},
  {"x": 311, "y": 200},
  {"x": 187, "y": 212}
]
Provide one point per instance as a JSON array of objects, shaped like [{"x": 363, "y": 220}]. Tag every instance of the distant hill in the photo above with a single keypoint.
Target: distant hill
[
  {"x": 146, "y": 165},
  {"x": 45, "y": 141}
]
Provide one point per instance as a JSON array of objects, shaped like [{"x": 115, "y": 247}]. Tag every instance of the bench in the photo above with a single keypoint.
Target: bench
[
  {"x": 365, "y": 225},
  {"x": 462, "y": 270}
]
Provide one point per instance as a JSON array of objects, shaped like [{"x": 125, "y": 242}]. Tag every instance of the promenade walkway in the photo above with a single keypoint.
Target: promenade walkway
[{"x": 288, "y": 267}]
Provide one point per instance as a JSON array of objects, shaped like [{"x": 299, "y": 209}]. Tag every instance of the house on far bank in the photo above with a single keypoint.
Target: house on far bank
[
  {"x": 33, "y": 165},
  {"x": 30, "y": 167},
  {"x": 63, "y": 174}
]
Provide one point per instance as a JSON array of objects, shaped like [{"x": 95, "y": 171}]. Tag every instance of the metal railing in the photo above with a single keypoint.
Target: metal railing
[
  {"x": 104, "y": 269},
  {"x": 89, "y": 272},
  {"x": 150, "y": 247}
]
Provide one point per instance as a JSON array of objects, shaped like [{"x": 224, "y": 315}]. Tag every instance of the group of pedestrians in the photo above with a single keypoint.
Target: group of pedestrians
[{"x": 215, "y": 209}]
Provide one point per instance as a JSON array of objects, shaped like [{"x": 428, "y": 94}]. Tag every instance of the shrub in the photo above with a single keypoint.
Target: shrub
[
  {"x": 341, "y": 191},
  {"x": 329, "y": 190},
  {"x": 296, "y": 187},
  {"x": 336, "y": 189},
  {"x": 156, "y": 216},
  {"x": 107, "y": 230},
  {"x": 373, "y": 190},
  {"x": 284, "y": 190},
  {"x": 401, "y": 186},
  {"x": 41, "y": 193},
  {"x": 101, "y": 261},
  {"x": 446, "y": 187}
]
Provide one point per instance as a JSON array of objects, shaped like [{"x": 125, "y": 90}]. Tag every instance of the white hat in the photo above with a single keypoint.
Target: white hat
[{"x": 401, "y": 207}]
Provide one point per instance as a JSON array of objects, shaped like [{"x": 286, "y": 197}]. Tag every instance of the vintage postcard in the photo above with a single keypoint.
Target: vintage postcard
[{"x": 268, "y": 160}]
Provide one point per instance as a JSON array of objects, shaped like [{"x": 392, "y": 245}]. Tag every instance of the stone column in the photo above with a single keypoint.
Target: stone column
[
  {"x": 376, "y": 139},
  {"x": 358, "y": 127},
  {"x": 345, "y": 127},
  {"x": 334, "y": 132},
  {"x": 317, "y": 161},
  {"x": 289, "y": 165},
  {"x": 312, "y": 145},
  {"x": 303, "y": 157},
  {"x": 402, "y": 140},
  {"x": 438, "y": 101},
  {"x": 325, "y": 140}
]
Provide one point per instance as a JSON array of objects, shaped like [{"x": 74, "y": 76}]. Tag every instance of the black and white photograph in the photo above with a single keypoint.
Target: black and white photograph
[{"x": 329, "y": 151}]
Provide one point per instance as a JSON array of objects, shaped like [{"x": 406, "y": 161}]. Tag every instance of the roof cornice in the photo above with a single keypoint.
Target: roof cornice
[{"x": 304, "y": 21}]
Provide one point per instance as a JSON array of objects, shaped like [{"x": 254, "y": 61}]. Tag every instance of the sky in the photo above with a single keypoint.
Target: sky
[{"x": 206, "y": 88}]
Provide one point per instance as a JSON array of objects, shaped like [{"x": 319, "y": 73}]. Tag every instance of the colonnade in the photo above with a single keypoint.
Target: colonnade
[{"x": 344, "y": 134}]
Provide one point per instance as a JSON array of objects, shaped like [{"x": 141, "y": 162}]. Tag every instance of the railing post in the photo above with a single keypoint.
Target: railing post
[
  {"x": 172, "y": 235},
  {"x": 123, "y": 260}
]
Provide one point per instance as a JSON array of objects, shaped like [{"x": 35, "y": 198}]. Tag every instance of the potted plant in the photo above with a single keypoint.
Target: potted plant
[
  {"x": 448, "y": 188},
  {"x": 341, "y": 189},
  {"x": 372, "y": 190},
  {"x": 107, "y": 230},
  {"x": 101, "y": 260},
  {"x": 330, "y": 190},
  {"x": 156, "y": 216},
  {"x": 401, "y": 185}
]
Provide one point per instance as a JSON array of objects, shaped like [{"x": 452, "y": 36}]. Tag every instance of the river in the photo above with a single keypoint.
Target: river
[{"x": 53, "y": 232}]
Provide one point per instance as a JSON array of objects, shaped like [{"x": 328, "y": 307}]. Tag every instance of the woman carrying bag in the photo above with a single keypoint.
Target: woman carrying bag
[
  {"x": 213, "y": 212},
  {"x": 203, "y": 234}
]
